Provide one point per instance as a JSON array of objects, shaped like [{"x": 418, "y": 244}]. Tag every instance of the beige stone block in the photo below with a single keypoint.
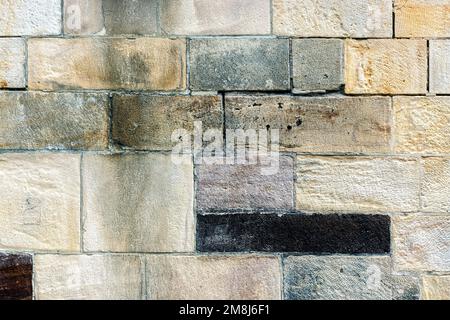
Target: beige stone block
[
  {"x": 214, "y": 277},
  {"x": 138, "y": 203},
  {"x": 436, "y": 185},
  {"x": 440, "y": 66},
  {"x": 436, "y": 287},
  {"x": 386, "y": 66},
  {"x": 12, "y": 63},
  {"x": 40, "y": 202},
  {"x": 107, "y": 63}
]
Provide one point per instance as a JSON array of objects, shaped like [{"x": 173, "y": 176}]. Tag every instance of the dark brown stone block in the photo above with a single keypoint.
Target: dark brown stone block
[{"x": 16, "y": 277}]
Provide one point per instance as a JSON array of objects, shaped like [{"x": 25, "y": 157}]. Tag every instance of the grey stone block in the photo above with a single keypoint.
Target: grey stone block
[
  {"x": 318, "y": 64},
  {"x": 239, "y": 64}
]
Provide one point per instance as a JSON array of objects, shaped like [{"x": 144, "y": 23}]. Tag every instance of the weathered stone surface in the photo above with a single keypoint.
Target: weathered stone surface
[
  {"x": 147, "y": 122},
  {"x": 245, "y": 186},
  {"x": 436, "y": 287},
  {"x": 440, "y": 65},
  {"x": 333, "y": 18},
  {"x": 111, "y": 17},
  {"x": 213, "y": 278},
  {"x": 107, "y": 63},
  {"x": 36, "y": 120},
  {"x": 225, "y": 17},
  {"x": 82, "y": 277},
  {"x": 436, "y": 185},
  {"x": 137, "y": 203},
  {"x": 422, "y": 18},
  {"x": 40, "y": 202},
  {"x": 352, "y": 234},
  {"x": 388, "y": 66},
  {"x": 421, "y": 243},
  {"x": 239, "y": 64},
  {"x": 345, "y": 278},
  {"x": 318, "y": 64},
  {"x": 16, "y": 273},
  {"x": 357, "y": 184},
  {"x": 30, "y": 17},
  {"x": 422, "y": 124},
  {"x": 12, "y": 63},
  {"x": 316, "y": 124}
]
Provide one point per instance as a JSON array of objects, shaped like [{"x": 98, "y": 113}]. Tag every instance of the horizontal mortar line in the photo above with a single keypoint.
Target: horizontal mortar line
[{"x": 301, "y": 212}]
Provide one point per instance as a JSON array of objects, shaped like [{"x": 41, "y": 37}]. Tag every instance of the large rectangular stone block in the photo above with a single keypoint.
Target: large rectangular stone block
[
  {"x": 386, "y": 66},
  {"x": 436, "y": 287},
  {"x": 333, "y": 18},
  {"x": 213, "y": 278},
  {"x": 83, "y": 277},
  {"x": 421, "y": 243},
  {"x": 16, "y": 277},
  {"x": 440, "y": 65},
  {"x": 346, "y": 278},
  {"x": 436, "y": 185},
  {"x": 357, "y": 184},
  {"x": 111, "y": 17},
  {"x": 316, "y": 124},
  {"x": 224, "y": 17},
  {"x": 245, "y": 186},
  {"x": 239, "y": 64},
  {"x": 147, "y": 122},
  {"x": 36, "y": 120},
  {"x": 318, "y": 64},
  {"x": 107, "y": 63},
  {"x": 40, "y": 202},
  {"x": 30, "y": 17},
  {"x": 422, "y": 18},
  {"x": 265, "y": 232},
  {"x": 138, "y": 203},
  {"x": 422, "y": 124},
  {"x": 12, "y": 64}
]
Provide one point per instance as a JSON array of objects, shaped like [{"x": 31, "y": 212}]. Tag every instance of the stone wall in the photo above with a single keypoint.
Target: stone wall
[{"x": 97, "y": 95}]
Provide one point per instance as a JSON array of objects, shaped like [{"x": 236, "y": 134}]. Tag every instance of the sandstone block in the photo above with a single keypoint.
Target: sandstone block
[
  {"x": 440, "y": 65},
  {"x": 436, "y": 287},
  {"x": 12, "y": 65},
  {"x": 436, "y": 185}
]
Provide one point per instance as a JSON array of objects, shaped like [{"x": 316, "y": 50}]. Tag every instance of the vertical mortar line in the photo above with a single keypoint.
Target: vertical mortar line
[
  {"x": 393, "y": 19},
  {"x": 33, "y": 280},
  {"x": 25, "y": 39},
  {"x": 271, "y": 16},
  {"x": 428, "y": 66},
  {"x": 81, "y": 204},
  {"x": 291, "y": 65},
  {"x": 194, "y": 203},
  {"x": 224, "y": 126},
  {"x": 188, "y": 64},
  {"x": 294, "y": 176},
  {"x": 421, "y": 178},
  {"x": 110, "y": 122},
  {"x": 281, "y": 265},
  {"x": 158, "y": 17},
  {"x": 144, "y": 293},
  {"x": 62, "y": 18}
]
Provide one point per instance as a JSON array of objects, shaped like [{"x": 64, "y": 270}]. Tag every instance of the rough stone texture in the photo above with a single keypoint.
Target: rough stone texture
[
  {"x": 16, "y": 277},
  {"x": 111, "y": 17},
  {"x": 239, "y": 64},
  {"x": 137, "y": 203},
  {"x": 40, "y": 202},
  {"x": 82, "y": 277},
  {"x": 147, "y": 122},
  {"x": 436, "y": 287},
  {"x": 357, "y": 184},
  {"x": 245, "y": 186},
  {"x": 213, "y": 278},
  {"x": 436, "y": 185},
  {"x": 36, "y": 120},
  {"x": 352, "y": 234},
  {"x": 333, "y": 18},
  {"x": 421, "y": 243},
  {"x": 345, "y": 278},
  {"x": 316, "y": 124},
  {"x": 440, "y": 65},
  {"x": 225, "y": 17},
  {"x": 387, "y": 66},
  {"x": 318, "y": 64},
  {"x": 422, "y": 18},
  {"x": 422, "y": 124},
  {"x": 30, "y": 17},
  {"x": 107, "y": 63},
  {"x": 12, "y": 63}
]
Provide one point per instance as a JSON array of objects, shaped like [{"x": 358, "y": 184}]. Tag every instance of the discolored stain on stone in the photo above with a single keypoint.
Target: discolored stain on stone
[
  {"x": 346, "y": 278},
  {"x": 316, "y": 124},
  {"x": 16, "y": 277},
  {"x": 36, "y": 120},
  {"x": 147, "y": 122},
  {"x": 107, "y": 63},
  {"x": 239, "y": 64},
  {"x": 352, "y": 234},
  {"x": 246, "y": 186},
  {"x": 318, "y": 64}
]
